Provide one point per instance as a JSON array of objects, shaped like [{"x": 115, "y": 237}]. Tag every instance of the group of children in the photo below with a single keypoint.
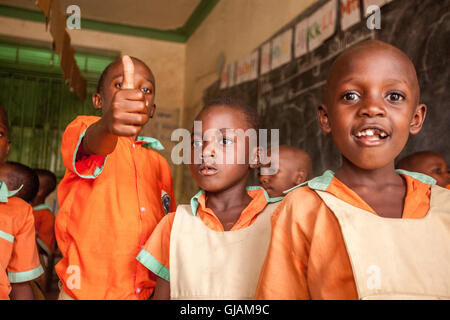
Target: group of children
[{"x": 370, "y": 230}]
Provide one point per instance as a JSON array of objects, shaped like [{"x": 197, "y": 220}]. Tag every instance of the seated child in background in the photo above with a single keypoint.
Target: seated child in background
[
  {"x": 44, "y": 219},
  {"x": 429, "y": 163},
  {"x": 191, "y": 250},
  {"x": 115, "y": 189},
  {"x": 19, "y": 258},
  {"x": 19, "y": 176},
  {"x": 294, "y": 167},
  {"x": 360, "y": 233}
]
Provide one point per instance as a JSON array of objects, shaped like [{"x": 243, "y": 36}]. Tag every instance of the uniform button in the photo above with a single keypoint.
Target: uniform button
[
  {"x": 138, "y": 290},
  {"x": 142, "y": 209}
]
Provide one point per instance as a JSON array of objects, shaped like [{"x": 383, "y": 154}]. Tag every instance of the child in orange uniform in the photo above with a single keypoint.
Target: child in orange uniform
[
  {"x": 361, "y": 233},
  {"x": 19, "y": 258},
  {"x": 429, "y": 163},
  {"x": 111, "y": 197},
  {"x": 44, "y": 219},
  {"x": 294, "y": 167},
  {"x": 214, "y": 247}
]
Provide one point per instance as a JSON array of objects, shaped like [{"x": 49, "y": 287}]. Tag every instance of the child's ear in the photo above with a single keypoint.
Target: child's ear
[
  {"x": 418, "y": 119},
  {"x": 300, "y": 177},
  {"x": 255, "y": 158},
  {"x": 322, "y": 116},
  {"x": 97, "y": 100}
]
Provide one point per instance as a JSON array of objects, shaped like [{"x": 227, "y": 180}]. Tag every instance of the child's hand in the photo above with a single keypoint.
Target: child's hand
[{"x": 128, "y": 111}]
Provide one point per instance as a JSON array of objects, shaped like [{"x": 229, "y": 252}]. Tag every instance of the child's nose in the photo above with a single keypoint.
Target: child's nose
[{"x": 372, "y": 107}]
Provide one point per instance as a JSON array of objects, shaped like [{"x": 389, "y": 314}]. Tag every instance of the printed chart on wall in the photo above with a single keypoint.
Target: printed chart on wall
[{"x": 293, "y": 64}]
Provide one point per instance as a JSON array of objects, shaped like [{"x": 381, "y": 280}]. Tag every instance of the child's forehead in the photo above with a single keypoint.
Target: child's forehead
[
  {"x": 116, "y": 70},
  {"x": 222, "y": 117},
  {"x": 373, "y": 60}
]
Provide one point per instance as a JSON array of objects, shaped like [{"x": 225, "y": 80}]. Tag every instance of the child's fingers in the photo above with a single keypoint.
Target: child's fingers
[{"x": 128, "y": 73}]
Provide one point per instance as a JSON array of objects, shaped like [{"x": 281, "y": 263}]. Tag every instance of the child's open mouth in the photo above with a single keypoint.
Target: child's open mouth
[
  {"x": 207, "y": 170},
  {"x": 371, "y": 136}
]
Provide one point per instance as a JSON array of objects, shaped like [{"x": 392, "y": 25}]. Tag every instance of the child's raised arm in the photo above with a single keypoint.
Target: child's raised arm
[{"x": 124, "y": 117}]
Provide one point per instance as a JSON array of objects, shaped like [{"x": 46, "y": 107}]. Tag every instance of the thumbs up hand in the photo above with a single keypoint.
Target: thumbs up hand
[{"x": 128, "y": 112}]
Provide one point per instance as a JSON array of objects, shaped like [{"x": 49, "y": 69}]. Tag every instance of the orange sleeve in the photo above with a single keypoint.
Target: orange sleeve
[
  {"x": 24, "y": 264},
  {"x": 307, "y": 257},
  {"x": 46, "y": 232},
  {"x": 155, "y": 255},
  {"x": 84, "y": 165},
  {"x": 448, "y": 187},
  {"x": 283, "y": 275}
]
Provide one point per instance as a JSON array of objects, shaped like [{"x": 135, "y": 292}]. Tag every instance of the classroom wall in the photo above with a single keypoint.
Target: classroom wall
[{"x": 234, "y": 28}]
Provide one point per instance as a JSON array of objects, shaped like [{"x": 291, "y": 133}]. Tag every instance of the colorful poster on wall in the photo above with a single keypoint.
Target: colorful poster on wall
[
  {"x": 282, "y": 49},
  {"x": 350, "y": 13},
  {"x": 253, "y": 65},
  {"x": 224, "y": 77},
  {"x": 265, "y": 58},
  {"x": 301, "y": 38},
  {"x": 232, "y": 75},
  {"x": 322, "y": 24},
  {"x": 378, "y": 3}
]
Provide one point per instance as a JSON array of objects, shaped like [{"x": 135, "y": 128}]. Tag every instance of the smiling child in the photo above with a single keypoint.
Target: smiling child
[{"x": 367, "y": 231}]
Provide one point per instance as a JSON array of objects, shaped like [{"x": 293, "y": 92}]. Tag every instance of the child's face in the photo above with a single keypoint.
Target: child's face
[
  {"x": 285, "y": 178},
  {"x": 4, "y": 140},
  {"x": 143, "y": 80},
  {"x": 434, "y": 166},
  {"x": 217, "y": 140},
  {"x": 372, "y": 106}
]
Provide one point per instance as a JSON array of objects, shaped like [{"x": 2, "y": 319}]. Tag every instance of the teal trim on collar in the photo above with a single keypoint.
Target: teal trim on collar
[
  {"x": 5, "y": 193},
  {"x": 318, "y": 183},
  {"x": 194, "y": 199},
  {"x": 15, "y": 277},
  {"x": 266, "y": 195},
  {"x": 97, "y": 170},
  {"x": 194, "y": 202},
  {"x": 418, "y": 176},
  {"x": 6, "y": 236},
  {"x": 150, "y": 143},
  {"x": 42, "y": 207},
  {"x": 322, "y": 182}
]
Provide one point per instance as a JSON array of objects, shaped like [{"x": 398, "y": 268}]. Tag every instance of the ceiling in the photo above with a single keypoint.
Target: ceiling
[{"x": 154, "y": 14}]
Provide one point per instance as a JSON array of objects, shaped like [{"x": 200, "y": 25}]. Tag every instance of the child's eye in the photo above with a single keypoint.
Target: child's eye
[
  {"x": 226, "y": 141},
  {"x": 197, "y": 143},
  {"x": 118, "y": 85},
  {"x": 395, "y": 96},
  {"x": 436, "y": 170},
  {"x": 146, "y": 90},
  {"x": 350, "y": 96}
]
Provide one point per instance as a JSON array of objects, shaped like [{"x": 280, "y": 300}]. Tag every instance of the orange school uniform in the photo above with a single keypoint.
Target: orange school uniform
[
  {"x": 19, "y": 259},
  {"x": 307, "y": 257},
  {"x": 44, "y": 222},
  {"x": 109, "y": 206},
  {"x": 156, "y": 253}
]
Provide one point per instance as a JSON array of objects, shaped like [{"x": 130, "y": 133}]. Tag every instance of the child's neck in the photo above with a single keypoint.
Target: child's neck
[
  {"x": 228, "y": 204},
  {"x": 352, "y": 175},
  {"x": 382, "y": 189},
  {"x": 37, "y": 201}
]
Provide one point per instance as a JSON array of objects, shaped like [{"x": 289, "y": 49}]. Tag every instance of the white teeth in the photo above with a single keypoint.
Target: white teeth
[{"x": 371, "y": 133}]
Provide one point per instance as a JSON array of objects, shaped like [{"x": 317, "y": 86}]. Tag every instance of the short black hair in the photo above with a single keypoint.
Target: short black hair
[
  {"x": 50, "y": 181},
  {"x": 251, "y": 116},
  {"x": 20, "y": 174},
  {"x": 101, "y": 80}
]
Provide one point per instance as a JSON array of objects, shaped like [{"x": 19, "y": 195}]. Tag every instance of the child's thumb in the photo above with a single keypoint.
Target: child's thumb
[{"x": 128, "y": 73}]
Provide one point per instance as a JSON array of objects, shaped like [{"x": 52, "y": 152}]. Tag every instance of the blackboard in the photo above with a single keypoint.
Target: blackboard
[{"x": 287, "y": 97}]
